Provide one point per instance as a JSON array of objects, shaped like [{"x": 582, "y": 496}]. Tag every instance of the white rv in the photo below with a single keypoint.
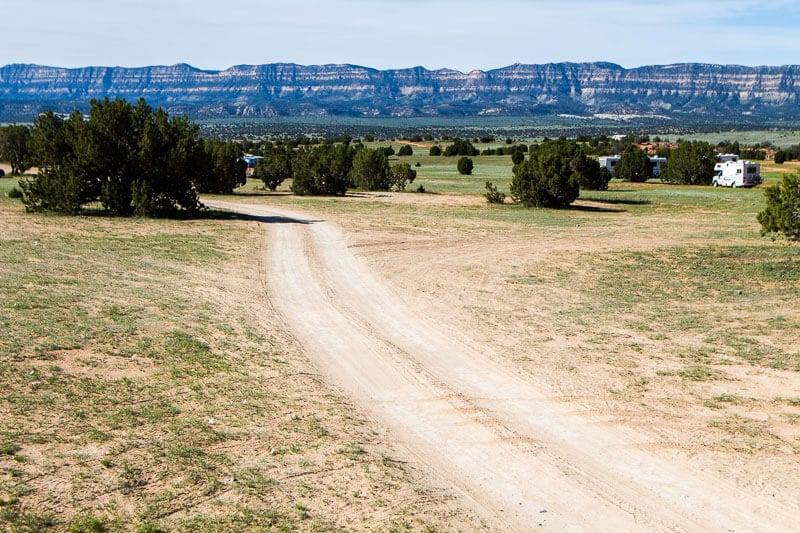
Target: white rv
[
  {"x": 655, "y": 164},
  {"x": 736, "y": 173},
  {"x": 609, "y": 162}
]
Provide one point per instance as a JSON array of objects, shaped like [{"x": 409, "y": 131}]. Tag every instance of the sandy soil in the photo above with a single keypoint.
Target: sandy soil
[{"x": 462, "y": 408}]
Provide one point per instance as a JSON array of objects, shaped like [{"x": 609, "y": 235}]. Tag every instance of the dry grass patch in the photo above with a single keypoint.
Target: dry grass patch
[
  {"x": 669, "y": 314},
  {"x": 147, "y": 384}
]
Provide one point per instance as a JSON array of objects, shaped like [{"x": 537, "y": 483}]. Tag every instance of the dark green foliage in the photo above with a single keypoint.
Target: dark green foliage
[
  {"x": 753, "y": 155},
  {"x": 322, "y": 170},
  {"x": 388, "y": 151},
  {"x": 604, "y": 145},
  {"x": 780, "y": 157},
  {"x": 461, "y": 147},
  {"x": 131, "y": 159},
  {"x": 633, "y": 165},
  {"x": 782, "y": 213},
  {"x": 465, "y": 166},
  {"x": 435, "y": 150},
  {"x": 14, "y": 148},
  {"x": 49, "y": 145},
  {"x": 227, "y": 168},
  {"x": 517, "y": 155},
  {"x": 547, "y": 179},
  {"x": 791, "y": 153},
  {"x": 691, "y": 163},
  {"x": 406, "y": 149},
  {"x": 276, "y": 167},
  {"x": 401, "y": 175},
  {"x": 664, "y": 151},
  {"x": 59, "y": 148},
  {"x": 171, "y": 157},
  {"x": 517, "y": 152},
  {"x": 728, "y": 147},
  {"x": 590, "y": 175},
  {"x": 371, "y": 170},
  {"x": 492, "y": 195},
  {"x": 15, "y": 192}
]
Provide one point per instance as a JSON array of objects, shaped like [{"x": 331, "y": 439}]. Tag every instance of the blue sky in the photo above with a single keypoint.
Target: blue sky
[{"x": 460, "y": 34}]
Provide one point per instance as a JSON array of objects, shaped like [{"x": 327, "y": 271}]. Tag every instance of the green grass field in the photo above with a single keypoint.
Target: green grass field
[{"x": 780, "y": 138}]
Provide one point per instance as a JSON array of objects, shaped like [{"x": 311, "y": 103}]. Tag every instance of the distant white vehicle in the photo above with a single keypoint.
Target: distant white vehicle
[
  {"x": 736, "y": 173},
  {"x": 655, "y": 164}
]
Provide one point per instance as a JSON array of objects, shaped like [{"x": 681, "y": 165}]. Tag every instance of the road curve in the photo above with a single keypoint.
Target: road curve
[{"x": 522, "y": 458}]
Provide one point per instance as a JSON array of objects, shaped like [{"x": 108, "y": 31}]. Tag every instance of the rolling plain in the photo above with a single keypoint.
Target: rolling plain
[{"x": 166, "y": 374}]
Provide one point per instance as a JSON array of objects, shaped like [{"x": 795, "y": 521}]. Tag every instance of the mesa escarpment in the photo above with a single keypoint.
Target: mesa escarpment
[{"x": 696, "y": 90}]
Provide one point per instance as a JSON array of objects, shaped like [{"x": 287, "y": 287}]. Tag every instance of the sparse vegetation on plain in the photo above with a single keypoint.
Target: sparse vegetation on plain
[
  {"x": 153, "y": 397},
  {"x": 782, "y": 212},
  {"x": 142, "y": 392}
]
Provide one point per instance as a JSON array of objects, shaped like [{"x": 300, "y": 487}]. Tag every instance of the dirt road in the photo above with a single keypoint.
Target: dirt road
[{"x": 524, "y": 459}]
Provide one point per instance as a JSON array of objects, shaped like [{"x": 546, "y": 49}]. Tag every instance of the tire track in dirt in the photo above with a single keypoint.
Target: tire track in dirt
[{"x": 473, "y": 421}]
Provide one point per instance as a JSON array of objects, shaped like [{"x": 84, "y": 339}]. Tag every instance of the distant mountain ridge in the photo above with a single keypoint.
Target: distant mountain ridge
[{"x": 283, "y": 89}]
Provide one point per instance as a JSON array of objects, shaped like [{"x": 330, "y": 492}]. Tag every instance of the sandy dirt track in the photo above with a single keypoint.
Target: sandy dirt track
[{"x": 524, "y": 459}]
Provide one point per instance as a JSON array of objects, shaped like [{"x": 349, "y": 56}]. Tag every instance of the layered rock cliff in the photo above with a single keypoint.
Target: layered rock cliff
[{"x": 585, "y": 89}]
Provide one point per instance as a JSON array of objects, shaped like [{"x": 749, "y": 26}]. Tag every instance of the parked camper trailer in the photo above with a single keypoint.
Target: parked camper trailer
[
  {"x": 736, "y": 173},
  {"x": 609, "y": 162},
  {"x": 654, "y": 164},
  {"x": 251, "y": 161}
]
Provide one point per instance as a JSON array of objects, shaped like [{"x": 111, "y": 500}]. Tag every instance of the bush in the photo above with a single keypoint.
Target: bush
[
  {"x": 421, "y": 189},
  {"x": 780, "y": 157},
  {"x": 517, "y": 155},
  {"x": 275, "y": 168},
  {"x": 435, "y": 150},
  {"x": 782, "y": 213},
  {"x": 132, "y": 159},
  {"x": 546, "y": 179},
  {"x": 590, "y": 175},
  {"x": 402, "y": 175},
  {"x": 16, "y": 192},
  {"x": 633, "y": 166},
  {"x": 226, "y": 168},
  {"x": 492, "y": 195},
  {"x": 371, "y": 170},
  {"x": 461, "y": 147},
  {"x": 405, "y": 150},
  {"x": 322, "y": 170},
  {"x": 465, "y": 166},
  {"x": 691, "y": 163}
]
